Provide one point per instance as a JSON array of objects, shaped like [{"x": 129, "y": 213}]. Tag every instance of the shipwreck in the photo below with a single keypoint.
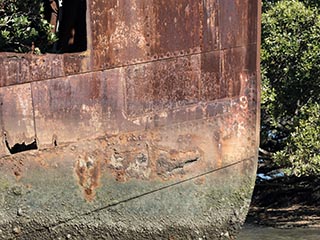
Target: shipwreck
[{"x": 145, "y": 127}]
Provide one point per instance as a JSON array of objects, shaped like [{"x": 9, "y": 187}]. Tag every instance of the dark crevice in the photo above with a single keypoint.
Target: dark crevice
[
  {"x": 21, "y": 147},
  {"x": 183, "y": 164},
  {"x": 55, "y": 140},
  {"x": 191, "y": 161},
  {"x": 69, "y": 20}
]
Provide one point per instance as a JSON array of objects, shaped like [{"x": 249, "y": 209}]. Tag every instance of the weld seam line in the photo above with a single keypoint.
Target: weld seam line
[
  {"x": 130, "y": 65},
  {"x": 33, "y": 113}
]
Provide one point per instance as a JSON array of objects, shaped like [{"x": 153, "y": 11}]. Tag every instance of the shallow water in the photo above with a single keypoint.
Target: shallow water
[{"x": 252, "y": 232}]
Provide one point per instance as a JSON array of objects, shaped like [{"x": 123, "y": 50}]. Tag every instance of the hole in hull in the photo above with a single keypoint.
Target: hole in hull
[{"x": 21, "y": 147}]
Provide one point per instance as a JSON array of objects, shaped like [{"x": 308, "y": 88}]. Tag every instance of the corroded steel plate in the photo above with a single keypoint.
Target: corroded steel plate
[{"x": 151, "y": 133}]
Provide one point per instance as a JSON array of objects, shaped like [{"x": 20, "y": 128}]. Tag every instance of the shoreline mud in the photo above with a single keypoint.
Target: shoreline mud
[{"x": 287, "y": 202}]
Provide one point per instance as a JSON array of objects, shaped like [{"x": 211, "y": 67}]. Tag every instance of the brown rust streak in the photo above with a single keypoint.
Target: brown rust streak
[{"x": 88, "y": 171}]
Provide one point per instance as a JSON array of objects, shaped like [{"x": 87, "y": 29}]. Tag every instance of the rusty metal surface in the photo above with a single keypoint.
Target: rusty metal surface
[
  {"x": 13, "y": 70},
  {"x": 144, "y": 31},
  {"x": 16, "y": 119},
  {"x": 124, "y": 34},
  {"x": 236, "y": 20},
  {"x": 167, "y": 84},
  {"x": 70, "y": 109},
  {"x": 162, "y": 109}
]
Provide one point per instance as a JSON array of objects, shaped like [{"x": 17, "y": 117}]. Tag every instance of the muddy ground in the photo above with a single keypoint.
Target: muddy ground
[{"x": 286, "y": 202}]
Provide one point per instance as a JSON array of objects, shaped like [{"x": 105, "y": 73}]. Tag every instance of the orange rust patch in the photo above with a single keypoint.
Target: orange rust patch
[{"x": 88, "y": 170}]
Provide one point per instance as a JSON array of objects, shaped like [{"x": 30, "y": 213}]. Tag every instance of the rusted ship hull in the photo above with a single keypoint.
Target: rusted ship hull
[{"x": 152, "y": 133}]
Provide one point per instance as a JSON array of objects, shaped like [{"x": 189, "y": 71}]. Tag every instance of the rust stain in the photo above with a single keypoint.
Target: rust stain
[{"x": 88, "y": 171}]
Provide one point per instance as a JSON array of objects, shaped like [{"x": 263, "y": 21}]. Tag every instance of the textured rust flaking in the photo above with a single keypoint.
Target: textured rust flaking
[{"x": 88, "y": 170}]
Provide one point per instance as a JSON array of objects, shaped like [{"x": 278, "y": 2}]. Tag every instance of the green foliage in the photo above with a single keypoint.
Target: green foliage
[
  {"x": 22, "y": 25},
  {"x": 290, "y": 62},
  {"x": 302, "y": 152}
]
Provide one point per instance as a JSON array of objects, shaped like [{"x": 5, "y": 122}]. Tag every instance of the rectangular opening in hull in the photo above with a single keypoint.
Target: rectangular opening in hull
[
  {"x": 40, "y": 26},
  {"x": 69, "y": 20}
]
